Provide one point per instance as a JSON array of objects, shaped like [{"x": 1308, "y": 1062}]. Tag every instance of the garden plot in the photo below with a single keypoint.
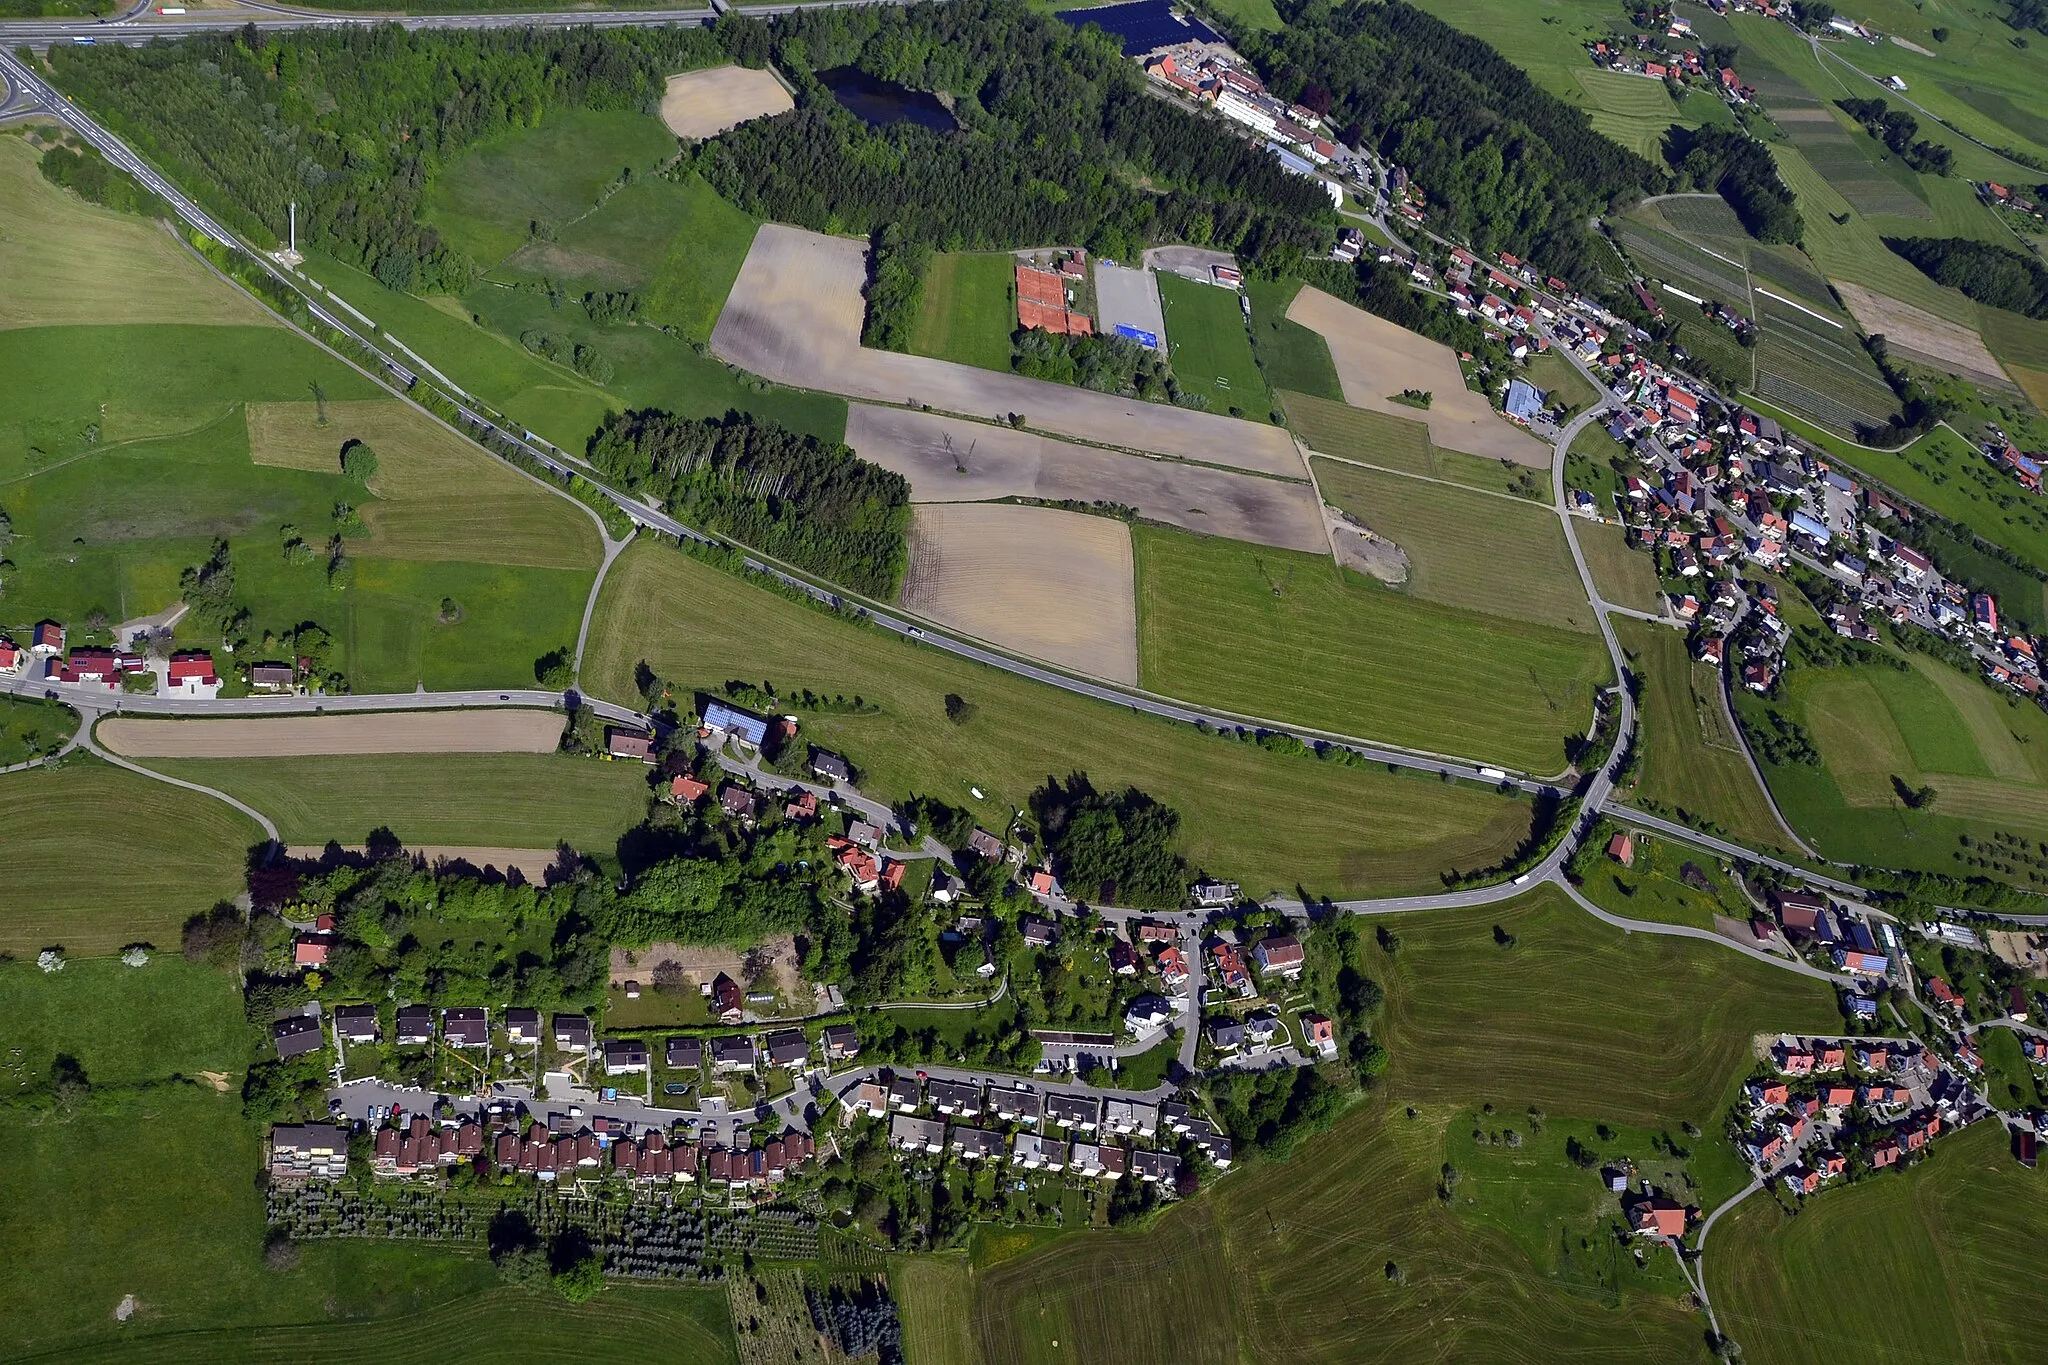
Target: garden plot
[
  {"x": 1059, "y": 586},
  {"x": 1376, "y": 358},
  {"x": 948, "y": 460},
  {"x": 700, "y": 104},
  {"x": 385, "y": 732},
  {"x": 1920, "y": 335},
  {"x": 794, "y": 316}
]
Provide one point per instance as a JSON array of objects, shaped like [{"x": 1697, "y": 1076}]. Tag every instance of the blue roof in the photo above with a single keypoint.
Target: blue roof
[
  {"x": 1863, "y": 1007},
  {"x": 1525, "y": 400},
  {"x": 1289, "y": 159},
  {"x": 1806, "y": 525},
  {"x": 752, "y": 729}
]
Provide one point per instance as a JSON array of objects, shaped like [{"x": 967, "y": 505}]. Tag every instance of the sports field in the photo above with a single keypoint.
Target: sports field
[
  {"x": 1692, "y": 757},
  {"x": 1467, "y": 549},
  {"x": 1877, "y": 728},
  {"x": 1320, "y": 646},
  {"x": 64, "y": 260},
  {"x": 502, "y": 800},
  {"x": 1264, "y": 819},
  {"x": 966, "y": 313},
  {"x": 1945, "y": 1247},
  {"x": 96, "y": 858},
  {"x": 1622, "y": 576},
  {"x": 1581, "y": 1022},
  {"x": 1211, "y": 345}
]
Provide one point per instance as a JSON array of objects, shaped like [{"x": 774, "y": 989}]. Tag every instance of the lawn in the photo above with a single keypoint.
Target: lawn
[
  {"x": 1467, "y": 549},
  {"x": 96, "y": 858},
  {"x": 1402, "y": 445},
  {"x": 484, "y": 201},
  {"x": 1292, "y": 356},
  {"x": 491, "y": 800},
  {"x": 1654, "y": 885},
  {"x": 1561, "y": 382},
  {"x": 967, "y": 312},
  {"x": 1944, "y": 1246},
  {"x": 123, "y": 1024},
  {"x": 1578, "y": 1020},
  {"x": 1875, "y": 727},
  {"x": 1623, "y": 576},
  {"x": 935, "y": 1297},
  {"x": 64, "y": 260},
  {"x": 1692, "y": 759},
  {"x": 1264, "y": 819},
  {"x": 1210, "y": 341},
  {"x": 30, "y": 729},
  {"x": 1316, "y": 645}
]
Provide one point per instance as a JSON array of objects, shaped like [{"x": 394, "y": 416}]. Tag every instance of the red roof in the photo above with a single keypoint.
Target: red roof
[{"x": 688, "y": 789}]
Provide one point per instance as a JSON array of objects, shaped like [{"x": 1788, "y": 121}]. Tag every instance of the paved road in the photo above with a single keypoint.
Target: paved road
[{"x": 97, "y": 702}]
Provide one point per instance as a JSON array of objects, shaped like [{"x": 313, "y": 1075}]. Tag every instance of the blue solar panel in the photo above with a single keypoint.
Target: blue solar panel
[{"x": 1143, "y": 26}]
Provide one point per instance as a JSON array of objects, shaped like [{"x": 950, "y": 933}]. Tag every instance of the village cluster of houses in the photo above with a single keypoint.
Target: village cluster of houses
[
  {"x": 1650, "y": 57},
  {"x": 1796, "y": 1116},
  {"x": 1055, "y": 1131},
  {"x": 185, "y": 673},
  {"x": 1206, "y": 74}
]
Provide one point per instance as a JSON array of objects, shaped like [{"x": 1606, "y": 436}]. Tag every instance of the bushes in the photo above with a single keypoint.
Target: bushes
[{"x": 85, "y": 172}]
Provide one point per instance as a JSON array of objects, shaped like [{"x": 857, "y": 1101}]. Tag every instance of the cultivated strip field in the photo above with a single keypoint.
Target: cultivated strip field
[
  {"x": 1055, "y": 585},
  {"x": 794, "y": 316},
  {"x": 530, "y": 863},
  {"x": 701, "y": 104},
  {"x": 63, "y": 260},
  {"x": 1375, "y": 359},
  {"x": 385, "y": 732},
  {"x": 948, "y": 459},
  {"x": 437, "y": 496},
  {"x": 1922, "y": 335}
]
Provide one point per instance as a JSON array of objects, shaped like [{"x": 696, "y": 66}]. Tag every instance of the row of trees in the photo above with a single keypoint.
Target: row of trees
[
  {"x": 1056, "y": 134},
  {"x": 1741, "y": 170},
  {"x": 813, "y": 504},
  {"x": 1897, "y": 129},
  {"x": 1985, "y": 272},
  {"x": 352, "y": 122}
]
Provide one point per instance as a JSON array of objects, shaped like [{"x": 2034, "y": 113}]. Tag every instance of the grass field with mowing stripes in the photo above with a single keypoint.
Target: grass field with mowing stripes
[
  {"x": 968, "y": 310},
  {"x": 488, "y": 800},
  {"x": 1692, "y": 759},
  {"x": 1397, "y": 443},
  {"x": 1321, "y": 646},
  {"x": 1298, "y": 1264},
  {"x": 1212, "y": 350},
  {"x": 1518, "y": 566},
  {"x": 1264, "y": 819},
  {"x": 1292, "y": 356},
  {"x": 1946, "y": 1247},
  {"x": 96, "y": 858}
]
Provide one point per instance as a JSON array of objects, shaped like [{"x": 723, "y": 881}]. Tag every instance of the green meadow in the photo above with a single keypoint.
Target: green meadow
[{"x": 968, "y": 310}]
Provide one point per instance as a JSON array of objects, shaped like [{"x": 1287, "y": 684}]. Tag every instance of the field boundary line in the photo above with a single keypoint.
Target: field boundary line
[
  {"x": 1789, "y": 303},
  {"x": 1428, "y": 478},
  {"x": 612, "y": 550}
]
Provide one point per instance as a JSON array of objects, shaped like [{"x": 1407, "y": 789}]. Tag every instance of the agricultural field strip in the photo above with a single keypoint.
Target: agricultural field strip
[{"x": 1423, "y": 478}]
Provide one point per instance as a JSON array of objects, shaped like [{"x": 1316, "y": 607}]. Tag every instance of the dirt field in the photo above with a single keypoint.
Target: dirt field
[
  {"x": 794, "y": 316},
  {"x": 1375, "y": 358},
  {"x": 774, "y": 958},
  {"x": 702, "y": 104},
  {"x": 1059, "y": 586},
  {"x": 1919, "y": 332},
  {"x": 437, "y": 497},
  {"x": 1001, "y": 463},
  {"x": 386, "y": 732},
  {"x": 530, "y": 863}
]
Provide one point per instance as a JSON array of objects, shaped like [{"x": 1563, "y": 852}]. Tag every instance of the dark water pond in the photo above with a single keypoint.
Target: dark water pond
[{"x": 880, "y": 103}]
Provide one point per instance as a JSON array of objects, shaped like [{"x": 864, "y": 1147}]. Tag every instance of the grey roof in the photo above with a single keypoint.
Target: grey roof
[
  {"x": 685, "y": 1052},
  {"x": 954, "y": 1097},
  {"x": 733, "y": 1048},
  {"x": 977, "y": 1142},
  {"x": 297, "y": 1036},
  {"x": 825, "y": 763},
  {"x": 1070, "y": 1110},
  {"x": 572, "y": 1028},
  {"x": 309, "y": 1137},
  {"x": 788, "y": 1046}
]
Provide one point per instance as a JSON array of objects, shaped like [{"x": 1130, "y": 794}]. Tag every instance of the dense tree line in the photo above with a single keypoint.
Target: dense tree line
[
  {"x": 86, "y": 173},
  {"x": 895, "y": 287},
  {"x": 1056, "y": 132},
  {"x": 1507, "y": 165},
  {"x": 1102, "y": 361},
  {"x": 1741, "y": 170},
  {"x": 351, "y": 123},
  {"x": 1987, "y": 273},
  {"x": 1118, "y": 847},
  {"x": 812, "y": 504},
  {"x": 1896, "y": 129}
]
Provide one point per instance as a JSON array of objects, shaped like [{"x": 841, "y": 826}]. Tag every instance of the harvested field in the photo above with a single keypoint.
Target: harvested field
[
  {"x": 794, "y": 316},
  {"x": 437, "y": 496},
  {"x": 1959, "y": 350},
  {"x": 1376, "y": 358},
  {"x": 384, "y": 732},
  {"x": 530, "y": 863},
  {"x": 700, "y": 104},
  {"x": 1003, "y": 463},
  {"x": 1055, "y": 585}
]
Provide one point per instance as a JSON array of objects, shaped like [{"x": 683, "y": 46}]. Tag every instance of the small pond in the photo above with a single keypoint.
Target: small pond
[{"x": 880, "y": 103}]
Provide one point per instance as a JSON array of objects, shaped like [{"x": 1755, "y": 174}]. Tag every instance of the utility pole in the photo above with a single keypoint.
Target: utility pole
[{"x": 295, "y": 227}]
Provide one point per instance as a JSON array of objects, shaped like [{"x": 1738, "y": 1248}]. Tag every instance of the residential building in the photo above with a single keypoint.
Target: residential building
[
  {"x": 905, "y": 1094},
  {"x": 296, "y": 1035},
  {"x": 1130, "y": 1117},
  {"x": 954, "y": 1099},
  {"x": 357, "y": 1023},
  {"x": 1082, "y": 1113},
  {"x": 623, "y": 743},
  {"x": 728, "y": 1002},
  {"x": 719, "y": 717},
  {"x": 1035, "y": 1153},
  {"x": 827, "y": 766},
  {"x": 788, "y": 1048},
  {"x": 624, "y": 1056},
  {"x": 684, "y": 1054},
  {"x": 978, "y": 1144},
  {"x": 465, "y": 1027},
  {"x": 1015, "y": 1105},
  {"x": 842, "y": 1042},
  {"x": 1155, "y": 1168},
  {"x": 917, "y": 1135},
  {"x": 415, "y": 1026},
  {"x": 572, "y": 1032},
  {"x": 732, "y": 1053},
  {"x": 522, "y": 1025},
  {"x": 308, "y": 1151}
]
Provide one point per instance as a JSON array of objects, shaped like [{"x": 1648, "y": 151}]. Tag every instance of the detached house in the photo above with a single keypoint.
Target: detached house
[{"x": 1280, "y": 954}]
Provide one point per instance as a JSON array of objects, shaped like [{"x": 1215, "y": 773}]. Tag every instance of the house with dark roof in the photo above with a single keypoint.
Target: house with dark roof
[
  {"x": 415, "y": 1026},
  {"x": 827, "y": 766},
  {"x": 732, "y": 1053},
  {"x": 978, "y": 1144},
  {"x": 905, "y": 1095},
  {"x": 954, "y": 1099},
  {"x": 788, "y": 1048},
  {"x": 357, "y": 1023},
  {"x": 842, "y": 1042},
  {"x": 297, "y": 1035},
  {"x": 522, "y": 1025},
  {"x": 624, "y": 1056},
  {"x": 572, "y": 1032},
  {"x": 1281, "y": 954},
  {"x": 917, "y": 1135},
  {"x": 728, "y": 1002},
  {"x": 308, "y": 1151},
  {"x": 465, "y": 1027},
  {"x": 685, "y": 1054},
  {"x": 624, "y": 743},
  {"x": 1082, "y": 1112}
]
